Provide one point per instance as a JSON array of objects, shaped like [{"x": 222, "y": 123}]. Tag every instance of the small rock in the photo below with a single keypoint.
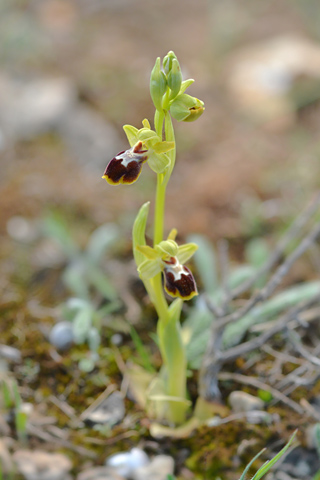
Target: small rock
[
  {"x": 116, "y": 339},
  {"x": 61, "y": 336},
  {"x": 244, "y": 402},
  {"x": 89, "y": 137},
  {"x": 29, "y": 107},
  {"x": 158, "y": 469},
  {"x": 110, "y": 411},
  {"x": 99, "y": 473},
  {"x": 39, "y": 465},
  {"x": 21, "y": 229},
  {"x": 10, "y": 353},
  {"x": 126, "y": 463}
]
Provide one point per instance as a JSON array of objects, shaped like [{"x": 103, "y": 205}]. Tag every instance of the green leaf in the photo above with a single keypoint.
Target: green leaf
[
  {"x": 138, "y": 232},
  {"x": 234, "y": 332},
  {"x": 56, "y": 227},
  {"x": 141, "y": 350},
  {"x": 206, "y": 264},
  {"x": 81, "y": 325},
  {"x": 266, "y": 467},
  {"x": 101, "y": 240}
]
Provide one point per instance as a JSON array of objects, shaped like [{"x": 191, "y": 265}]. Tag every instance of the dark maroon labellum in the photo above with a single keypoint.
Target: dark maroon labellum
[
  {"x": 178, "y": 280},
  {"x": 126, "y": 166}
]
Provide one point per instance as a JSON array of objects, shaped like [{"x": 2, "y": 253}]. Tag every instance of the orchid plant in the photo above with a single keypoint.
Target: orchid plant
[{"x": 158, "y": 148}]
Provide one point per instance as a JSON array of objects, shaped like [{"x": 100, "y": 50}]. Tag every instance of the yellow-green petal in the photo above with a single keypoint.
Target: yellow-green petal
[
  {"x": 158, "y": 162},
  {"x": 186, "y": 251},
  {"x": 148, "y": 252},
  {"x": 149, "y": 269},
  {"x": 163, "y": 147},
  {"x": 132, "y": 134}
]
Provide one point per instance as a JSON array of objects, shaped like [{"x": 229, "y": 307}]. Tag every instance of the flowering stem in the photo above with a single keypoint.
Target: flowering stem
[{"x": 169, "y": 330}]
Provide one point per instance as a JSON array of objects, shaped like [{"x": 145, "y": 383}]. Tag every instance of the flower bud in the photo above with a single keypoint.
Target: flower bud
[
  {"x": 167, "y": 61},
  {"x": 158, "y": 85},
  {"x": 174, "y": 78},
  {"x": 186, "y": 108}
]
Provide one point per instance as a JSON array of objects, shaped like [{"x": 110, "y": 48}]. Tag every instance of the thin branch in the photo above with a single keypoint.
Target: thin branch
[
  {"x": 279, "y": 250},
  {"x": 246, "y": 347},
  {"x": 263, "y": 386},
  {"x": 274, "y": 281}
]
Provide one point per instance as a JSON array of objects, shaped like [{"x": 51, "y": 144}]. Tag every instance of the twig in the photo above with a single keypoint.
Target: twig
[
  {"x": 259, "y": 341},
  {"x": 223, "y": 254},
  {"x": 274, "y": 281},
  {"x": 47, "y": 437},
  {"x": 263, "y": 386},
  {"x": 279, "y": 250},
  {"x": 310, "y": 409},
  {"x": 285, "y": 357},
  {"x": 303, "y": 351},
  {"x": 105, "y": 394}
]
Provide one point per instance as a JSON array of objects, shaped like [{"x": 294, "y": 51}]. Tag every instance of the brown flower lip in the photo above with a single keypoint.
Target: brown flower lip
[
  {"x": 178, "y": 280},
  {"x": 125, "y": 167}
]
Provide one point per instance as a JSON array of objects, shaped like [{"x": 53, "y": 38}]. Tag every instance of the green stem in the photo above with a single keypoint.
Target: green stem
[{"x": 169, "y": 330}]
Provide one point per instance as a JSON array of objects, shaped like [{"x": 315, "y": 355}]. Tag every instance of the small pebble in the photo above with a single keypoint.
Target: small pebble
[
  {"x": 244, "y": 402},
  {"x": 109, "y": 412},
  {"x": 99, "y": 473},
  {"x": 21, "y": 229},
  {"x": 126, "y": 463},
  {"x": 116, "y": 339},
  {"x": 158, "y": 469},
  {"x": 39, "y": 465},
  {"x": 61, "y": 336}
]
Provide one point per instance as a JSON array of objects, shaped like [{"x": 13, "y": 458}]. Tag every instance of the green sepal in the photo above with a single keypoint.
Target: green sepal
[
  {"x": 163, "y": 147},
  {"x": 186, "y": 108},
  {"x": 149, "y": 269},
  {"x": 167, "y": 247},
  {"x": 174, "y": 79},
  {"x": 158, "y": 162},
  {"x": 138, "y": 233},
  {"x": 132, "y": 134},
  {"x": 148, "y": 252},
  {"x": 158, "y": 85},
  {"x": 186, "y": 84},
  {"x": 186, "y": 251},
  {"x": 173, "y": 233}
]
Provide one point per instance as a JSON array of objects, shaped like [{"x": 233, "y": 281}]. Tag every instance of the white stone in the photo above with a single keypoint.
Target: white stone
[
  {"x": 125, "y": 463},
  {"x": 39, "y": 465},
  {"x": 158, "y": 469},
  {"x": 244, "y": 402}
]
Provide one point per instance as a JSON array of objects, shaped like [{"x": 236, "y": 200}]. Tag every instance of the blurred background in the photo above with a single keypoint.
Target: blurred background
[{"x": 74, "y": 71}]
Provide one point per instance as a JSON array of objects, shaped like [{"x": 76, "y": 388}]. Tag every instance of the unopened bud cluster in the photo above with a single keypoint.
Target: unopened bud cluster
[{"x": 167, "y": 90}]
